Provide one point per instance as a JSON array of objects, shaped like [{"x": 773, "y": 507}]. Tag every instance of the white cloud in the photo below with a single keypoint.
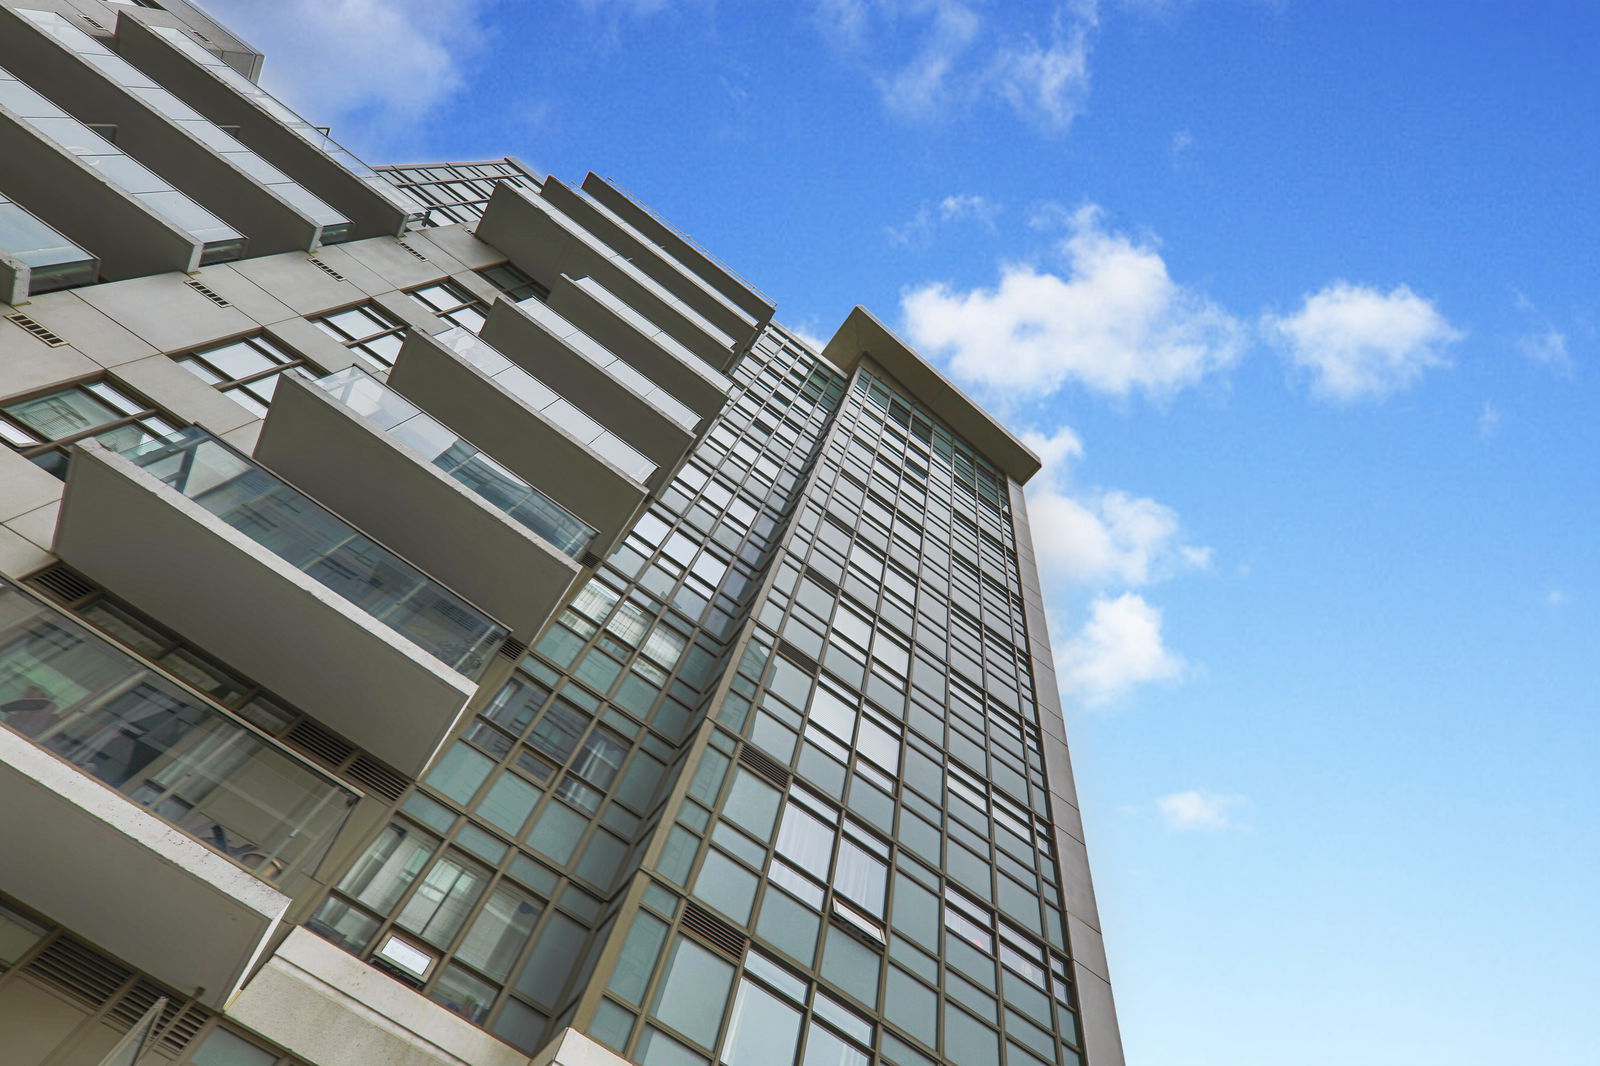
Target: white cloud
[
  {"x": 1198, "y": 810},
  {"x": 1488, "y": 420},
  {"x": 386, "y": 62},
  {"x": 1547, "y": 348},
  {"x": 1358, "y": 343},
  {"x": 1115, "y": 322},
  {"x": 1556, "y": 598},
  {"x": 1119, "y": 648},
  {"x": 929, "y": 58},
  {"x": 917, "y": 232},
  {"x": 1099, "y": 538},
  {"x": 1049, "y": 84}
]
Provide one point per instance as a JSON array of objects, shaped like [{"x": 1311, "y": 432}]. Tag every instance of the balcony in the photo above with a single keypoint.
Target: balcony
[
  {"x": 35, "y": 258},
  {"x": 89, "y": 188},
  {"x": 279, "y": 587},
  {"x": 545, "y": 242},
  {"x": 82, "y": 75},
  {"x": 634, "y": 408},
  {"x": 496, "y": 539},
  {"x": 660, "y": 263},
  {"x": 583, "y": 307},
  {"x": 754, "y": 302},
  {"x": 264, "y": 125},
  {"x": 147, "y": 819}
]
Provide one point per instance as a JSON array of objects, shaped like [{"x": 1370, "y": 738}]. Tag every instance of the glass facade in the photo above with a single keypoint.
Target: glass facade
[
  {"x": 456, "y": 192},
  {"x": 771, "y": 788}
]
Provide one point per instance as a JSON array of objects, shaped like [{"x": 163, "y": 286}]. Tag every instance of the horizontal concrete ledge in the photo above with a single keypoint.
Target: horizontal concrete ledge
[
  {"x": 331, "y": 1009},
  {"x": 121, "y": 878}
]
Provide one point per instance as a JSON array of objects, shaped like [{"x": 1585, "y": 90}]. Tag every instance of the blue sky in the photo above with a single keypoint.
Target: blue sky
[{"x": 1299, "y": 301}]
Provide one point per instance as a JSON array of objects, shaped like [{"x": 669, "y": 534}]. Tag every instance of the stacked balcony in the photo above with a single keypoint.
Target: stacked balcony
[
  {"x": 141, "y": 815},
  {"x": 545, "y": 242},
  {"x": 267, "y": 127},
  {"x": 96, "y": 86},
  {"x": 280, "y": 587},
  {"x": 652, "y": 229},
  {"x": 661, "y": 264},
  {"x": 401, "y": 474},
  {"x": 138, "y": 222},
  {"x": 35, "y": 259}
]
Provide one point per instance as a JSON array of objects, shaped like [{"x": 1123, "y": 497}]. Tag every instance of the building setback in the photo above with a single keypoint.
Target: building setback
[{"x": 445, "y": 621}]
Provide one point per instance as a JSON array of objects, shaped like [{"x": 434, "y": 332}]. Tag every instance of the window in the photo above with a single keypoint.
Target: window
[
  {"x": 247, "y": 370},
  {"x": 514, "y": 283},
  {"x": 455, "y": 305},
  {"x": 41, "y": 427},
  {"x": 367, "y": 329}
]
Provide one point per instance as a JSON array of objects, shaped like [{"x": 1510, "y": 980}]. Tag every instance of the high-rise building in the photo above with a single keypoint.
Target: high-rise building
[{"x": 444, "y": 621}]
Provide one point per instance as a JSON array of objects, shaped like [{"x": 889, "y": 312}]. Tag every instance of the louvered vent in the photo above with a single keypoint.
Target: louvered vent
[
  {"x": 798, "y": 657},
  {"x": 591, "y": 560},
  {"x": 513, "y": 649},
  {"x": 314, "y": 740},
  {"x": 377, "y": 777},
  {"x": 713, "y": 931},
  {"x": 414, "y": 253},
  {"x": 182, "y": 1032},
  {"x": 207, "y": 293},
  {"x": 178, "y": 1024},
  {"x": 79, "y": 970},
  {"x": 38, "y": 332},
  {"x": 93, "y": 23},
  {"x": 826, "y": 583},
  {"x": 325, "y": 268},
  {"x": 62, "y": 583},
  {"x": 767, "y": 767}
]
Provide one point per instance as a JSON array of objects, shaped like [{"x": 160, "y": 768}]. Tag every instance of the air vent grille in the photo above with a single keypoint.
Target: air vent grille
[
  {"x": 207, "y": 293},
  {"x": 178, "y": 1024},
  {"x": 93, "y": 23},
  {"x": 311, "y": 738},
  {"x": 63, "y": 584},
  {"x": 38, "y": 332},
  {"x": 513, "y": 649},
  {"x": 366, "y": 770},
  {"x": 713, "y": 931},
  {"x": 767, "y": 767},
  {"x": 79, "y": 971},
  {"x": 413, "y": 252},
  {"x": 798, "y": 657},
  {"x": 826, "y": 583},
  {"x": 325, "y": 268}
]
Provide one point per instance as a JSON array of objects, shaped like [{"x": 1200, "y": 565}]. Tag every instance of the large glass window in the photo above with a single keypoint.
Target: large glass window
[
  {"x": 41, "y": 427},
  {"x": 247, "y": 370},
  {"x": 367, "y": 329},
  {"x": 454, "y": 304},
  {"x": 516, "y": 284}
]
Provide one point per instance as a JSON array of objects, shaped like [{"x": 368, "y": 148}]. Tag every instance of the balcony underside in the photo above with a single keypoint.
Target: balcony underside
[
  {"x": 118, "y": 876},
  {"x": 123, "y": 528},
  {"x": 414, "y": 507}
]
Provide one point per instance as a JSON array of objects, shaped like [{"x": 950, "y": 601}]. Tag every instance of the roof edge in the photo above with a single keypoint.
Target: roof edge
[{"x": 861, "y": 334}]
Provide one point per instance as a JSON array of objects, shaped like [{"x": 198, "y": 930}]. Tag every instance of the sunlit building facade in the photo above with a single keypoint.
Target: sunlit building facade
[{"x": 445, "y": 621}]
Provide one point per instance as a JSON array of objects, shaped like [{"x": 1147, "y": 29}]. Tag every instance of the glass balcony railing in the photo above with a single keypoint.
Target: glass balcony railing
[
  {"x": 497, "y": 486},
  {"x": 323, "y": 546},
  {"x": 334, "y": 226},
  {"x": 191, "y": 764},
  {"x": 248, "y": 89},
  {"x": 542, "y": 398},
  {"x": 53, "y": 261},
  {"x": 218, "y": 241}
]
